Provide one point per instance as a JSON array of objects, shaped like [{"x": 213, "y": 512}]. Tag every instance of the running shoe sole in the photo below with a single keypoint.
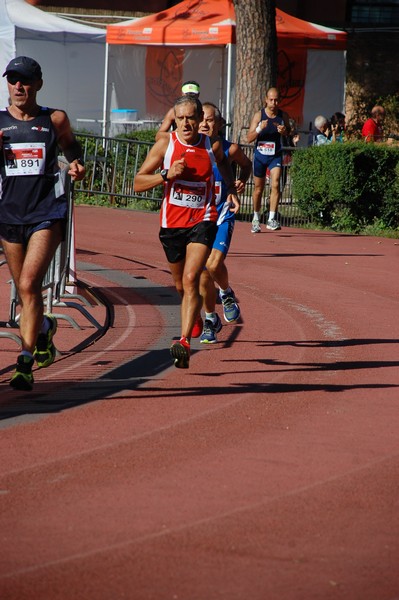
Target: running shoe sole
[
  {"x": 208, "y": 341},
  {"x": 22, "y": 378},
  {"x": 22, "y": 381},
  {"x": 181, "y": 355}
]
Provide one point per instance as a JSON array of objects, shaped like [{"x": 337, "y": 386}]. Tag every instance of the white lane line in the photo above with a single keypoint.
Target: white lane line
[{"x": 132, "y": 319}]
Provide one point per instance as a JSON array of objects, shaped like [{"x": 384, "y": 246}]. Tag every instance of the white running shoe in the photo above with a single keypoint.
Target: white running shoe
[
  {"x": 273, "y": 225},
  {"x": 255, "y": 226}
]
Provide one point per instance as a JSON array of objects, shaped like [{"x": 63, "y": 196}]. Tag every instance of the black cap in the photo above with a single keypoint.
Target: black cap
[{"x": 25, "y": 66}]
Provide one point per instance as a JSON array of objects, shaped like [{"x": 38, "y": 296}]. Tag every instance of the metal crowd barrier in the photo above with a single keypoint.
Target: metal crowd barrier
[
  {"x": 11, "y": 322},
  {"x": 289, "y": 213},
  {"x": 112, "y": 164},
  {"x": 56, "y": 280}
]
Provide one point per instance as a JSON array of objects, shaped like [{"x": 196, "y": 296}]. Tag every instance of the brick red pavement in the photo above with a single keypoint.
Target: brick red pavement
[{"x": 267, "y": 471}]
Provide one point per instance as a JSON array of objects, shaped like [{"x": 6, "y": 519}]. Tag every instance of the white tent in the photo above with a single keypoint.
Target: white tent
[{"x": 72, "y": 57}]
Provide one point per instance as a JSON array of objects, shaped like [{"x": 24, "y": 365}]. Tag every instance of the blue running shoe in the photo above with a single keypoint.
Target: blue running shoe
[
  {"x": 210, "y": 330},
  {"x": 231, "y": 310}
]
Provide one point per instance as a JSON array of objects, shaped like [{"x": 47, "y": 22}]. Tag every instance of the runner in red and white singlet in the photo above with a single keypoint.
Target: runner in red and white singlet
[
  {"x": 188, "y": 199},
  {"x": 183, "y": 161}
]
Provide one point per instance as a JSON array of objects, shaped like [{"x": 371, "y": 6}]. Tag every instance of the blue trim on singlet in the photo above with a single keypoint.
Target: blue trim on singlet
[{"x": 224, "y": 214}]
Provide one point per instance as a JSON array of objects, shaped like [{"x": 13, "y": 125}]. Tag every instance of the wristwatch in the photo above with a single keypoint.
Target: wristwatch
[{"x": 164, "y": 174}]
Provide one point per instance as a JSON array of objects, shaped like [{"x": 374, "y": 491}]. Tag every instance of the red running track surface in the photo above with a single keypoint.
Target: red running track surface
[{"x": 267, "y": 471}]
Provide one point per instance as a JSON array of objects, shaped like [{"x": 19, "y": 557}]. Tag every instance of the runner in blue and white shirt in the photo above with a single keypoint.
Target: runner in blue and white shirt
[{"x": 216, "y": 270}]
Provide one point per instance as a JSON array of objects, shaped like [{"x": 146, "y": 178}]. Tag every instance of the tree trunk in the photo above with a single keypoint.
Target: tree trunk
[{"x": 256, "y": 66}]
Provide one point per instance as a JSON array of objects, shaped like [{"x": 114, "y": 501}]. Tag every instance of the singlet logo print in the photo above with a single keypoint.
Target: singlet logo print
[{"x": 40, "y": 128}]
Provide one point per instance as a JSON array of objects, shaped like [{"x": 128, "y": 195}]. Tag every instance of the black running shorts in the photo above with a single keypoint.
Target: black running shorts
[
  {"x": 20, "y": 234},
  {"x": 175, "y": 240}
]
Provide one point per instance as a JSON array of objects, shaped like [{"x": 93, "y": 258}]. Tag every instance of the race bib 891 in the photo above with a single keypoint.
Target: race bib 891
[{"x": 24, "y": 158}]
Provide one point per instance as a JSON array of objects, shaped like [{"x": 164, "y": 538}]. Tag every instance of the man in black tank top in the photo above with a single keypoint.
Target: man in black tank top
[
  {"x": 268, "y": 126},
  {"x": 33, "y": 205}
]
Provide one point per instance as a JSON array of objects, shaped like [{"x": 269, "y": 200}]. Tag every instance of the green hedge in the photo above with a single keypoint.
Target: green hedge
[
  {"x": 349, "y": 186},
  {"x": 146, "y": 135}
]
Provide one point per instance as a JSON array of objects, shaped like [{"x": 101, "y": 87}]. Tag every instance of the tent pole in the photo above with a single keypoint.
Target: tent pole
[
  {"x": 105, "y": 100},
  {"x": 228, "y": 91}
]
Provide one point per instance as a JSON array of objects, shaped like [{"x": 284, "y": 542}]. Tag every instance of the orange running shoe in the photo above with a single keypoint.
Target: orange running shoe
[{"x": 198, "y": 327}]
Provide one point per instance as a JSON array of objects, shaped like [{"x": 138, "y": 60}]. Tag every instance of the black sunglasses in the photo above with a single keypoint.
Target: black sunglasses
[{"x": 13, "y": 78}]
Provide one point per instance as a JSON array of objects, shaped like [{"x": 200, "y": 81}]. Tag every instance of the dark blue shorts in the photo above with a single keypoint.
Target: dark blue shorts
[
  {"x": 176, "y": 239},
  {"x": 265, "y": 163},
  {"x": 20, "y": 234}
]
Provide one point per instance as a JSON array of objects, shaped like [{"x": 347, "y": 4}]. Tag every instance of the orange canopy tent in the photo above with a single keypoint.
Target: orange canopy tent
[
  {"x": 196, "y": 40},
  {"x": 212, "y": 22},
  {"x": 190, "y": 23}
]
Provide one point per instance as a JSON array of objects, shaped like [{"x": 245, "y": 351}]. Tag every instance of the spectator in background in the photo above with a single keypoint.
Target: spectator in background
[
  {"x": 189, "y": 88},
  {"x": 373, "y": 128},
  {"x": 322, "y": 132},
  {"x": 292, "y": 139},
  {"x": 338, "y": 125}
]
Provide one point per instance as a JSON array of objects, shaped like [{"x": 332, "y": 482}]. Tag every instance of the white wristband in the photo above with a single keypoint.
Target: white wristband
[{"x": 258, "y": 129}]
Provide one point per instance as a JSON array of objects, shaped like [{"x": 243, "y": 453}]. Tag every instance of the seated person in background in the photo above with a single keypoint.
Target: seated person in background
[
  {"x": 321, "y": 135},
  {"x": 189, "y": 88},
  {"x": 338, "y": 125}
]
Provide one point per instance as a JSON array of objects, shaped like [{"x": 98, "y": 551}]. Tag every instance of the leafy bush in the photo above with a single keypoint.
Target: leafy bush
[
  {"x": 390, "y": 209},
  {"x": 145, "y": 135},
  {"x": 347, "y": 186}
]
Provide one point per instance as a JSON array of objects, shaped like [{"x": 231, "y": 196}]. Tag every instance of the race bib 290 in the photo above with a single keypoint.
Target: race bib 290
[{"x": 190, "y": 194}]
